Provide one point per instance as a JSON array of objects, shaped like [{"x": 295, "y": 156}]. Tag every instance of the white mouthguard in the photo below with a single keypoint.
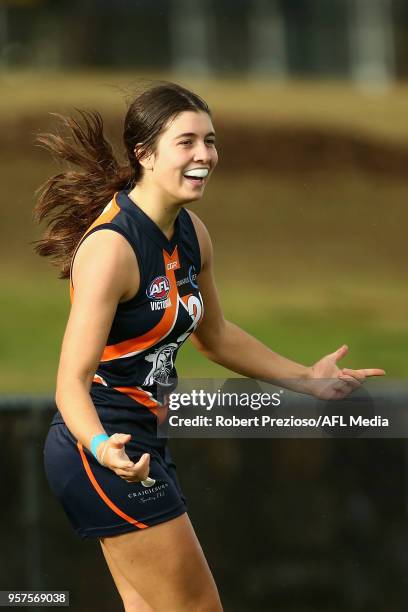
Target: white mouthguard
[{"x": 197, "y": 172}]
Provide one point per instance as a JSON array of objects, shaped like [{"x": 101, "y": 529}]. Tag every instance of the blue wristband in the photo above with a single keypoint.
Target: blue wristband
[{"x": 96, "y": 441}]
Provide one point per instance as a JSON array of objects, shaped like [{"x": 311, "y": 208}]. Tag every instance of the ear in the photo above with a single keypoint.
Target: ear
[{"x": 145, "y": 159}]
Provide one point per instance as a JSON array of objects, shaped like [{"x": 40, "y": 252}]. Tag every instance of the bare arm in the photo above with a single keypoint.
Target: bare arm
[
  {"x": 104, "y": 273},
  {"x": 232, "y": 347}
]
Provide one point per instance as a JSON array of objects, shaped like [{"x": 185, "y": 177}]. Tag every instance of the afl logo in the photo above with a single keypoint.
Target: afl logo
[{"x": 159, "y": 288}]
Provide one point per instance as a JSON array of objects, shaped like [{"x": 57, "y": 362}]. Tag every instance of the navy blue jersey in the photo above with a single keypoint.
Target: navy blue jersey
[{"x": 137, "y": 366}]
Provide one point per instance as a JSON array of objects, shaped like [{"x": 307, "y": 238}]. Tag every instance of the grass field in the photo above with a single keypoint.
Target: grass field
[
  {"x": 305, "y": 263},
  {"x": 301, "y": 322}
]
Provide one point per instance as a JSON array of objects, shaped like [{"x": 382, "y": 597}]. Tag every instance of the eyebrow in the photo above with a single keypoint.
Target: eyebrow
[{"x": 193, "y": 134}]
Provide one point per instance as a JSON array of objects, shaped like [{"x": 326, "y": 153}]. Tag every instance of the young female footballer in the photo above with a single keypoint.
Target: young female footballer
[{"x": 141, "y": 283}]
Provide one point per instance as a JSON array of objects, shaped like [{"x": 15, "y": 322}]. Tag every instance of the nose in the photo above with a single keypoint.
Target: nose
[{"x": 202, "y": 153}]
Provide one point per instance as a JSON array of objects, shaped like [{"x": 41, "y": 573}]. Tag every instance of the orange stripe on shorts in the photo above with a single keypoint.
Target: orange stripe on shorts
[{"x": 103, "y": 495}]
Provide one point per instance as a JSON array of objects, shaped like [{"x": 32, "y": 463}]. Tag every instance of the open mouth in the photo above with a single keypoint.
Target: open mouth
[
  {"x": 195, "y": 180},
  {"x": 196, "y": 176}
]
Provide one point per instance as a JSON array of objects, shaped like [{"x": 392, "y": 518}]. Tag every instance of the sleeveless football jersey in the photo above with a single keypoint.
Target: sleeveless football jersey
[{"x": 137, "y": 366}]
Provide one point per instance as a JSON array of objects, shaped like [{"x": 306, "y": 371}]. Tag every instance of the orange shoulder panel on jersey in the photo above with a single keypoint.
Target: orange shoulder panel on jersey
[{"x": 108, "y": 214}]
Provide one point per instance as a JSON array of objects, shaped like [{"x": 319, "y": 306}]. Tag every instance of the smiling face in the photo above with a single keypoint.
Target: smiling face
[{"x": 184, "y": 158}]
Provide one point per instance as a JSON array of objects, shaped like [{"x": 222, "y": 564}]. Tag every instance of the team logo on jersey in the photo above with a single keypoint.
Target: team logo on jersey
[
  {"x": 162, "y": 365},
  {"x": 158, "y": 289}
]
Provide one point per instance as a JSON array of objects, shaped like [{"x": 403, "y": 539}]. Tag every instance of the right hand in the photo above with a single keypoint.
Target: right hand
[{"x": 112, "y": 455}]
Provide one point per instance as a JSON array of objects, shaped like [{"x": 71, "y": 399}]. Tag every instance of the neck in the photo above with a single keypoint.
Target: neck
[{"x": 161, "y": 212}]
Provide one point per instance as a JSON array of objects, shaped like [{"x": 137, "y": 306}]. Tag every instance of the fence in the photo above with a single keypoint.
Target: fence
[{"x": 361, "y": 39}]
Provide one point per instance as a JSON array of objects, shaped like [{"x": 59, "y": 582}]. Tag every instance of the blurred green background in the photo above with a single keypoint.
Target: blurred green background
[{"x": 307, "y": 211}]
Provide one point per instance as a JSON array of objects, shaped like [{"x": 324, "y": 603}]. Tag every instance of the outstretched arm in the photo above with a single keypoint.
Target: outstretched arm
[{"x": 227, "y": 344}]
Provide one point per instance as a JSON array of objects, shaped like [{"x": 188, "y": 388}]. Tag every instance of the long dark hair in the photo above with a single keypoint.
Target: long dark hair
[{"x": 71, "y": 200}]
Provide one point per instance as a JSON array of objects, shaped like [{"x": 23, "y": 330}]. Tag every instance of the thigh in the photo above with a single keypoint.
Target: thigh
[
  {"x": 132, "y": 601},
  {"x": 166, "y": 565}
]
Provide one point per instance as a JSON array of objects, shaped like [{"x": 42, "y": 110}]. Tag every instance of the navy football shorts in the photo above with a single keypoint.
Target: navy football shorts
[{"x": 97, "y": 501}]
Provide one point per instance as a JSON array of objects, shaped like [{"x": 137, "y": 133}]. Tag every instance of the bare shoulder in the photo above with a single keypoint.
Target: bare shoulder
[
  {"x": 203, "y": 237},
  {"x": 107, "y": 257}
]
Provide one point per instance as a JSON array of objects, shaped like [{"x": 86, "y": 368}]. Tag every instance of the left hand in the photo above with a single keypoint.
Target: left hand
[{"x": 328, "y": 381}]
